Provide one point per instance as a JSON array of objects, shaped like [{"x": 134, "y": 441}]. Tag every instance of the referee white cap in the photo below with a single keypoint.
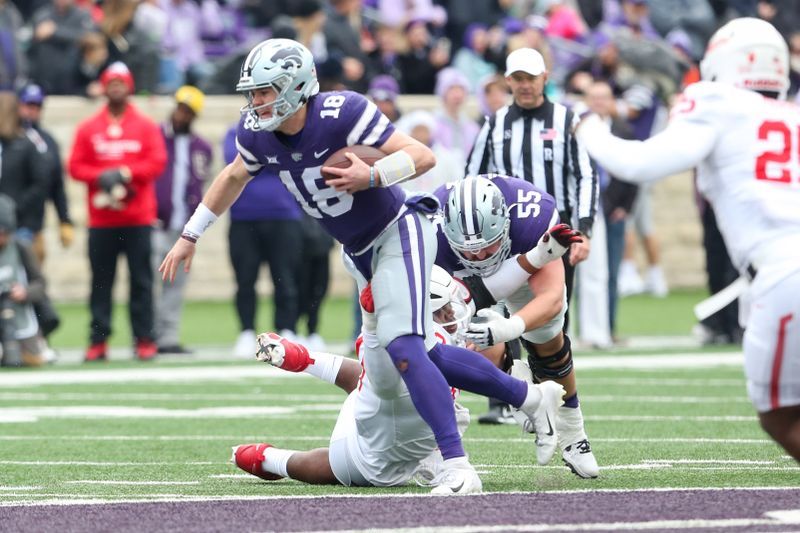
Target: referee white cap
[{"x": 525, "y": 60}]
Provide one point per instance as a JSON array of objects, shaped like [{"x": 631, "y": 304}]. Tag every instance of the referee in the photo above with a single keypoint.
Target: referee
[{"x": 531, "y": 139}]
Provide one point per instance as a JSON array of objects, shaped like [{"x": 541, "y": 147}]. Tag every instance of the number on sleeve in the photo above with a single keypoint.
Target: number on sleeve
[{"x": 334, "y": 104}]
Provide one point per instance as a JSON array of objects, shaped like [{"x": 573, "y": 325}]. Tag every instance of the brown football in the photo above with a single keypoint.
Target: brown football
[{"x": 368, "y": 154}]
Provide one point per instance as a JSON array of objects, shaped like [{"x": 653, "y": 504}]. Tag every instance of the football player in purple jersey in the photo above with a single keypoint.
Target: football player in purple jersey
[
  {"x": 488, "y": 237},
  {"x": 291, "y": 128}
]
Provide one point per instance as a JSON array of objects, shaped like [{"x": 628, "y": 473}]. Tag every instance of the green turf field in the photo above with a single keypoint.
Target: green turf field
[
  {"x": 214, "y": 323},
  {"x": 164, "y": 430}
]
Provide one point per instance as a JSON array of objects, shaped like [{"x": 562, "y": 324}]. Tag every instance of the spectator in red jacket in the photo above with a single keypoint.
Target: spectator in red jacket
[{"x": 119, "y": 153}]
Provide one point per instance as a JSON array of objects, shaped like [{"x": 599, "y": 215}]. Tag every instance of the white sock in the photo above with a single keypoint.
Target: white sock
[
  {"x": 276, "y": 459},
  {"x": 532, "y": 400},
  {"x": 325, "y": 367},
  {"x": 455, "y": 462}
]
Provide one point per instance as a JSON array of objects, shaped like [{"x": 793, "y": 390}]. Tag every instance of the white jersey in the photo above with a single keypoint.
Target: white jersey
[
  {"x": 379, "y": 430},
  {"x": 747, "y": 152},
  {"x": 746, "y": 149}
]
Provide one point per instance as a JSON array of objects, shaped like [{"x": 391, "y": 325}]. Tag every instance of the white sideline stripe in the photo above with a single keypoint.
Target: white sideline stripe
[
  {"x": 308, "y": 438},
  {"x": 726, "y": 465},
  {"x": 289, "y": 398},
  {"x": 709, "y": 461},
  {"x": 101, "y": 463},
  {"x": 113, "y": 482},
  {"x": 153, "y": 374},
  {"x": 173, "y": 498},
  {"x": 665, "y": 382},
  {"x": 255, "y": 371},
  {"x": 659, "y": 361},
  {"x": 773, "y": 520},
  {"x": 100, "y": 411},
  {"x": 10, "y": 488},
  {"x": 24, "y": 414},
  {"x": 105, "y": 397}
]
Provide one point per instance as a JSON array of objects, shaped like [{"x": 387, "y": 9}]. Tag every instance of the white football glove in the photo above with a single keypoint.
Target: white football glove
[
  {"x": 490, "y": 328},
  {"x": 553, "y": 244}
]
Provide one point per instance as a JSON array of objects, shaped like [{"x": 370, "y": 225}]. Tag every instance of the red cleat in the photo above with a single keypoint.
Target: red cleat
[
  {"x": 280, "y": 352},
  {"x": 98, "y": 351},
  {"x": 146, "y": 349},
  {"x": 249, "y": 457}
]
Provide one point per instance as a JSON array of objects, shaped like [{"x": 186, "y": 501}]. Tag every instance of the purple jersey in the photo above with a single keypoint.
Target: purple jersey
[
  {"x": 531, "y": 210},
  {"x": 335, "y": 120}
]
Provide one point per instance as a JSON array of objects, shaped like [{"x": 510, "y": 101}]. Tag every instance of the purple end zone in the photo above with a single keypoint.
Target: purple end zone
[{"x": 332, "y": 513}]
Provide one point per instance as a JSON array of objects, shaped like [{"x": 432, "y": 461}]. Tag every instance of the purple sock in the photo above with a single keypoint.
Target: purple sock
[
  {"x": 472, "y": 372},
  {"x": 429, "y": 392},
  {"x": 572, "y": 402}
]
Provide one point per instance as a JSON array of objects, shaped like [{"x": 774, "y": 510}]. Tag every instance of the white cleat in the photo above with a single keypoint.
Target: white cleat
[
  {"x": 543, "y": 419},
  {"x": 576, "y": 452},
  {"x": 457, "y": 477},
  {"x": 579, "y": 458}
]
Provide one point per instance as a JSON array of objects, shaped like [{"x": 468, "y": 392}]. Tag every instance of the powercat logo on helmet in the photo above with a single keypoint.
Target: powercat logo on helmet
[{"x": 288, "y": 58}]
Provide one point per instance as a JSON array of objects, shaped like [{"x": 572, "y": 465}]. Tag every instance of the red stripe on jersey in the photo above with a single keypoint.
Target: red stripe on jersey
[{"x": 774, "y": 388}]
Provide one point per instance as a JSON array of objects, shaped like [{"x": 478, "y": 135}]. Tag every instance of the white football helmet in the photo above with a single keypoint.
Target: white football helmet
[
  {"x": 748, "y": 53},
  {"x": 446, "y": 290},
  {"x": 288, "y": 67},
  {"x": 475, "y": 218}
]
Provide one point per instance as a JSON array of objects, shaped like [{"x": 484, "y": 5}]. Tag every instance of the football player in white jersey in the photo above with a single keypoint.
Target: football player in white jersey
[
  {"x": 744, "y": 140},
  {"x": 379, "y": 440}
]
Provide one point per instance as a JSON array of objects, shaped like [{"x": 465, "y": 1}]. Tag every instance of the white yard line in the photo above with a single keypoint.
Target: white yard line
[
  {"x": 255, "y": 371},
  {"x": 152, "y": 374},
  {"x": 305, "y": 399},
  {"x": 108, "y": 463},
  {"x": 659, "y": 361},
  {"x": 318, "y": 438},
  {"x": 773, "y": 520},
  {"x": 33, "y": 413},
  {"x": 699, "y": 381},
  {"x": 106, "y": 397},
  {"x": 172, "y": 498},
  {"x": 120, "y": 482}
]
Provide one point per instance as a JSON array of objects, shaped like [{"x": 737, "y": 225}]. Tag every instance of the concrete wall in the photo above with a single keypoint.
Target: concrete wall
[{"x": 212, "y": 278}]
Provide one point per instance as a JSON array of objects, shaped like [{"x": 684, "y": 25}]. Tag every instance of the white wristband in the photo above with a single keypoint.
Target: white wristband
[
  {"x": 395, "y": 168},
  {"x": 202, "y": 218}
]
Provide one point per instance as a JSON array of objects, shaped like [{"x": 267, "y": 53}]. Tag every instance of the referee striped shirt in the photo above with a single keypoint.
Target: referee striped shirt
[{"x": 537, "y": 146}]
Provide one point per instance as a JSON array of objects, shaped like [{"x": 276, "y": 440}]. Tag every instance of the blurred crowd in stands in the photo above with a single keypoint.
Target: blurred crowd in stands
[
  {"x": 63, "y": 45},
  {"x": 625, "y": 59}
]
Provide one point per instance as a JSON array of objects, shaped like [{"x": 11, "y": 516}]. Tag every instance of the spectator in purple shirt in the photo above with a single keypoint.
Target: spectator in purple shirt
[{"x": 178, "y": 191}]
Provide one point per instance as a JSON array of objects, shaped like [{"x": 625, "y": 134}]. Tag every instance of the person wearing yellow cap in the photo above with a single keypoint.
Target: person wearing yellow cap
[{"x": 178, "y": 191}]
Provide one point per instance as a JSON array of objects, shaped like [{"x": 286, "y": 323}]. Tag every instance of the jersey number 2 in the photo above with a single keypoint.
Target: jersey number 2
[{"x": 778, "y": 160}]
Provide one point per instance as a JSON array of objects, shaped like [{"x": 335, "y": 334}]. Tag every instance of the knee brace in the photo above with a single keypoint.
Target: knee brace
[{"x": 542, "y": 366}]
